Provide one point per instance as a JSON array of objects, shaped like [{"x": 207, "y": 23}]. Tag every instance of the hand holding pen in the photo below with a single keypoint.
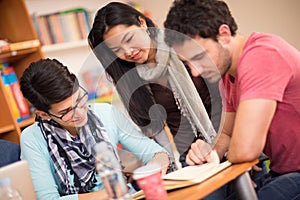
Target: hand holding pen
[{"x": 201, "y": 152}]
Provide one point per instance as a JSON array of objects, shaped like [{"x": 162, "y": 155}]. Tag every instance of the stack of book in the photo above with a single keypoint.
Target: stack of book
[
  {"x": 12, "y": 88},
  {"x": 6, "y": 46},
  {"x": 64, "y": 26}
]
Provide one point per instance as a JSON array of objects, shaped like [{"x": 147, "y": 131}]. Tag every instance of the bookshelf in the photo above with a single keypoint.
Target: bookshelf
[
  {"x": 76, "y": 54},
  {"x": 71, "y": 53},
  {"x": 16, "y": 26}
]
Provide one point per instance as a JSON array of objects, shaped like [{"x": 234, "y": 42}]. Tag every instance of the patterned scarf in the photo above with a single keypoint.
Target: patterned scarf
[
  {"x": 75, "y": 153},
  {"x": 185, "y": 93}
]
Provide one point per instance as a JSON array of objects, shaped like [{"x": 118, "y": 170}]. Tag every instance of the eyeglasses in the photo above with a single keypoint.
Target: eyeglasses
[{"x": 68, "y": 115}]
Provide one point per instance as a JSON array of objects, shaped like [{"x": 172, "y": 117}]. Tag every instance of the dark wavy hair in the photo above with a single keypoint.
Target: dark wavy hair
[
  {"x": 47, "y": 82},
  {"x": 197, "y": 18},
  {"x": 135, "y": 93}
]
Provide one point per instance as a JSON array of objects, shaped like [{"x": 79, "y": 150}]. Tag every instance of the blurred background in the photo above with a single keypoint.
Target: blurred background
[{"x": 272, "y": 16}]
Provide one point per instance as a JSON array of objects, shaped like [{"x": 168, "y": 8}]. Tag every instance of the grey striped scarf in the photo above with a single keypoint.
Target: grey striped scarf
[{"x": 75, "y": 154}]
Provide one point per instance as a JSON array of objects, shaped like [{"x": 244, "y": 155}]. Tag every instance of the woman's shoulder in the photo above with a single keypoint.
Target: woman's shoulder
[
  {"x": 31, "y": 131},
  {"x": 32, "y": 134}
]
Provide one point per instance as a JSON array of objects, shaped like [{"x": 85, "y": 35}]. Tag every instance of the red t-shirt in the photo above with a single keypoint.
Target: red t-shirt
[{"x": 269, "y": 68}]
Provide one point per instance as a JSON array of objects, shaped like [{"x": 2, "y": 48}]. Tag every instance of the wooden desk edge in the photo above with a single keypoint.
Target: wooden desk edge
[{"x": 211, "y": 184}]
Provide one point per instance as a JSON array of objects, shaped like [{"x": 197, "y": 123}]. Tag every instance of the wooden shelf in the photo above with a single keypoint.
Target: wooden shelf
[
  {"x": 65, "y": 46},
  {"x": 11, "y": 127},
  {"x": 13, "y": 56},
  {"x": 25, "y": 48},
  {"x": 26, "y": 122},
  {"x": 7, "y": 128}
]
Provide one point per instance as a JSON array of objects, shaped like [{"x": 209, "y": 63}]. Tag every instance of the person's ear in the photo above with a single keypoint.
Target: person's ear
[
  {"x": 42, "y": 114},
  {"x": 143, "y": 22},
  {"x": 224, "y": 35}
]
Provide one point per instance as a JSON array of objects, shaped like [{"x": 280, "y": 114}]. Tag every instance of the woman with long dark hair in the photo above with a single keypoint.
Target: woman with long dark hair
[{"x": 154, "y": 85}]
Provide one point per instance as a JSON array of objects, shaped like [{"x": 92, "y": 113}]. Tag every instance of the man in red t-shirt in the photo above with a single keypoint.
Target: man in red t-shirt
[{"x": 260, "y": 89}]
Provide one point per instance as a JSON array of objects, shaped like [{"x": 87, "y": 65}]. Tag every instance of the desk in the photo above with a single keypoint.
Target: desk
[{"x": 237, "y": 172}]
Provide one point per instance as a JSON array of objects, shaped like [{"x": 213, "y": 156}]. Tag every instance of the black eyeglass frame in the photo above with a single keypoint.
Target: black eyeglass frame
[{"x": 72, "y": 109}]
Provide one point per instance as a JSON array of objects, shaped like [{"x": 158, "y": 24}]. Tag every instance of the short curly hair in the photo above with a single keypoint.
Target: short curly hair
[{"x": 197, "y": 18}]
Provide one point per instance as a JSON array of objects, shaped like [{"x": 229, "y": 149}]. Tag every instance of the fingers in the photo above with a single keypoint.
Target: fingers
[
  {"x": 254, "y": 184},
  {"x": 164, "y": 170},
  {"x": 199, "y": 153},
  {"x": 192, "y": 159},
  {"x": 256, "y": 168}
]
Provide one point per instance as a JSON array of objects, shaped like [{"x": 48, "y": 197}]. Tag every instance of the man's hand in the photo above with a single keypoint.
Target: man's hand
[
  {"x": 255, "y": 168},
  {"x": 200, "y": 153}
]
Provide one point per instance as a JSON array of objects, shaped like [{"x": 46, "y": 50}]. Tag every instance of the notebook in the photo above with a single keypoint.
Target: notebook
[
  {"x": 190, "y": 175},
  {"x": 20, "y": 177}
]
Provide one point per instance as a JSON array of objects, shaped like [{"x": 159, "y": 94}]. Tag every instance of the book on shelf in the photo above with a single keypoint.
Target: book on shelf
[
  {"x": 4, "y": 45},
  {"x": 83, "y": 23},
  {"x": 24, "y": 44},
  {"x": 11, "y": 80},
  {"x": 70, "y": 26},
  {"x": 42, "y": 28},
  {"x": 55, "y": 28},
  {"x": 10, "y": 95},
  {"x": 189, "y": 175},
  {"x": 15, "y": 46},
  {"x": 12, "y": 101},
  {"x": 62, "y": 26}
]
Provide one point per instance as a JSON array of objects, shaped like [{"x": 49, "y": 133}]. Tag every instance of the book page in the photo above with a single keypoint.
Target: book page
[
  {"x": 189, "y": 172},
  {"x": 198, "y": 178},
  {"x": 192, "y": 172}
]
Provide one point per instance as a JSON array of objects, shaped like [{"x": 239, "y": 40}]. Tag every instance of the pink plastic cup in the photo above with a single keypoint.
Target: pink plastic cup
[{"x": 149, "y": 180}]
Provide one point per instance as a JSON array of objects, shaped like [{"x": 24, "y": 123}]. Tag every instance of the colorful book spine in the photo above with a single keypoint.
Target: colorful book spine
[
  {"x": 17, "y": 94},
  {"x": 56, "y": 28},
  {"x": 10, "y": 95},
  {"x": 64, "y": 26},
  {"x": 44, "y": 33},
  {"x": 84, "y": 23},
  {"x": 71, "y": 26}
]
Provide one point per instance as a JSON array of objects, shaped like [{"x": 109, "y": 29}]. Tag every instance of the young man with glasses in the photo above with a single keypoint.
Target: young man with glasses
[{"x": 59, "y": 145}]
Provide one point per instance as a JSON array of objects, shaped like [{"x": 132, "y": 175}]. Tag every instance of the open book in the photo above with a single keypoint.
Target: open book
[{"x": 189, "y": 175}]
